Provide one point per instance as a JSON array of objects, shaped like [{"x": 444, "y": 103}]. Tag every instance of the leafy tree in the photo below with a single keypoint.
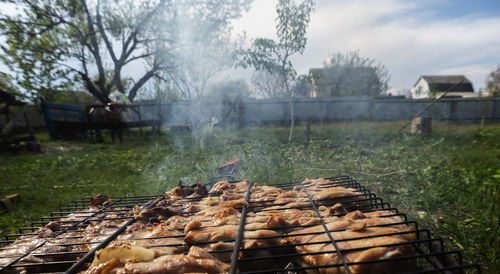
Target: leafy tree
[
  {"x": 267, "y": 85},
  {"x": 205, "y": 44},
  {"x": 302, "y": 86},
  {"x": 229, "y": 89},
  {"x": 274, "y": 56},
  {"x": 6, "y": 84},
  {"x": 350, "y": 74},
  {"x": 493, "y": 83},
  {"x": 54, "y": 44}
]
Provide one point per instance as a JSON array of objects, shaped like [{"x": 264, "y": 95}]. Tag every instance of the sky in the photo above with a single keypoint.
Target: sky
[{"x": 411, "y": 38}]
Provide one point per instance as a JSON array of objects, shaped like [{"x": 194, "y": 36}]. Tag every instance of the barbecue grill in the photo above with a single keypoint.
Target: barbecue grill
[{"x": 429, "y": 256}]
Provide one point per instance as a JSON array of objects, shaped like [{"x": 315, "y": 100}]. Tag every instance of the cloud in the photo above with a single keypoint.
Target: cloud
[{"x": 410, "y": 38}]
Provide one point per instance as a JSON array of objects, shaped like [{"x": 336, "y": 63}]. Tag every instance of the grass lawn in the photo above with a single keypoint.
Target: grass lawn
[{"x": 448, "y": 181}]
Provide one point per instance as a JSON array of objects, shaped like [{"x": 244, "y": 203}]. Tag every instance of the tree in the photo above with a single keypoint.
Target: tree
[
  {"x": 229, "y": 89},
  {"x": 302, "y": 86},
  {"x": 6, "y": 84},
  {"x": 493, "y": 83},
  {"x": 274, "y": 56},
  {"x": 205, "y": 44},
  {"x": 267, "y": 85},
  {"x": 55, "y": 43},
  {"x": 350, "y": 74}
]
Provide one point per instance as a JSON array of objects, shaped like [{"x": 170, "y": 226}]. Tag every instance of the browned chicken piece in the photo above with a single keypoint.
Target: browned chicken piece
[
  {"x": 320, "y": 182},
  {"x": 229, "y": 195},
  {"x": 95, "y": 231},
  {"x": 157, "y": 212},
  {"x": 217, "y": 212},
  {"x": 352, "y": 226},
  {"x": 19, "y": 247},
  {"x": 155, "y": 236},
  {"x": 333, "y": 193},
  {"x": 211, "y": 234},
  {"x": 222, "y": 250},
  {"x": 265, "y": 193},
  {"x": 197, "y": 260},
  {"x": 239, "y": 187},
  {"x": 56, "y": 245},
  {"x": 193, "y": 191}
]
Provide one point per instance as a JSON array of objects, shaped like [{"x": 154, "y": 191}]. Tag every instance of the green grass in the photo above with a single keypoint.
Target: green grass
[{"x": 448, "y": 181}]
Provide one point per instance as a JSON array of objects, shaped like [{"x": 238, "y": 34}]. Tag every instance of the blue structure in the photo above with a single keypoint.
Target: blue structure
[{"x": 60, "y": 112}]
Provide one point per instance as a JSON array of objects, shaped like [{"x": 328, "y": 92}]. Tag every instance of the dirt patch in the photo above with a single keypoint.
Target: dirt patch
[{"x": 60, "y": 149}]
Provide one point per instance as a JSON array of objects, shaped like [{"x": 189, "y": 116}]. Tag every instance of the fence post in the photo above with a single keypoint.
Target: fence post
[
  {"x": 371, "y": 107},
  {"x": 495, "y": 109},
  {"x": 453, "y": 112}
]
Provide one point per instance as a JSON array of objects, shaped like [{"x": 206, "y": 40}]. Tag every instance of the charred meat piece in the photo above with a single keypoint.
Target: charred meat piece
[
  {"x": 159, "y": 212},
  {"x": 192, "y": 191},
  {"x": 99, "y": 200}
]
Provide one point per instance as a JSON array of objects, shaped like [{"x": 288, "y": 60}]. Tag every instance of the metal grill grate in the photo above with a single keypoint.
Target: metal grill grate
[{"x": 75, "y": 252}]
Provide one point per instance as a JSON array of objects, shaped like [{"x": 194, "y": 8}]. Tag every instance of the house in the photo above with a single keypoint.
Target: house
[
  {"x": 429, "y": 86},
  {"x": 344, "y": 81},
  {"x": 405, "y": 92}
]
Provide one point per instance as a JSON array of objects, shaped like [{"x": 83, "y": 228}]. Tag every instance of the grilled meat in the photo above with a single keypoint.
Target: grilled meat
[
  {"x": 197, "y": 260},
  {"x": 355, "y": 233},
  {"x": 277, "y": 222}
]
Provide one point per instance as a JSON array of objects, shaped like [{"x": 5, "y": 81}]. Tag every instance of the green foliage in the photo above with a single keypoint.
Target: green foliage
[
  {"x": 229, "y": 89},
  {"x": 54, "y": 45},
  {"x": 267, "y": 85},
  {"x": 274, "y": 56},
  {"x": 302, "y": 86},
  {"x": 31, "y": 52},
  {"x": 449, "y": 181},
  {"x": 349, "y": 74},
  {"x": 206, "y": 46},
  {"x": 6, "y": 85}
]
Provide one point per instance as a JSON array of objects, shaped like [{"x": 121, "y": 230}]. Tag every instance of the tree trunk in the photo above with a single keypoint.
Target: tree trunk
[
  {"x": 292, "y": 114},
  {"x": 292, "y": 118}
]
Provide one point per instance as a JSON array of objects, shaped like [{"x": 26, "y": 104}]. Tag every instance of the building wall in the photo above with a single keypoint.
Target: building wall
[{"x": 420, "y": 90}]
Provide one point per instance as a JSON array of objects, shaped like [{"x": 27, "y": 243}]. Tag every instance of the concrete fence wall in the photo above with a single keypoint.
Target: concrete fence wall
[
  {"x": 318, "y": 110},
  {"x": 276, "y": 111}
]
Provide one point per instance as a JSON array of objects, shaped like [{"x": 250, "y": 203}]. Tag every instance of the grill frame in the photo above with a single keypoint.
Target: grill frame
[{"x": 431, "y": 255}]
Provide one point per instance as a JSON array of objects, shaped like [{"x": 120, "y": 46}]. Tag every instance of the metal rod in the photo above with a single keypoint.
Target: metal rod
[
  {"x": 53, "y": 236},
  {"x": 74, "y": 268},
  {"x": 330, "y": 236},
  {"x": 241, "y": 230}
]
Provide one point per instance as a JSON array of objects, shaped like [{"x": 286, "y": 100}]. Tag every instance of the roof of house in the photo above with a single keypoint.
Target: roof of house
[
  {"x": 323, "y": 76},
  {"x": 442, "y": 83}
]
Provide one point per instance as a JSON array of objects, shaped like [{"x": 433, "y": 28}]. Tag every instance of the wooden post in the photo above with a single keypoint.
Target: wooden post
[
  {"x": 7, "y": 201},
  {"x": 421, "y": 125},
  {"x": 308, "y": 132},
  {"x": 453, "y": 113}
]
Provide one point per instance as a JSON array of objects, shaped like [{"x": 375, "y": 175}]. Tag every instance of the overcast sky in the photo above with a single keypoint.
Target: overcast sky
[{"x": 411, "y": 38}]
